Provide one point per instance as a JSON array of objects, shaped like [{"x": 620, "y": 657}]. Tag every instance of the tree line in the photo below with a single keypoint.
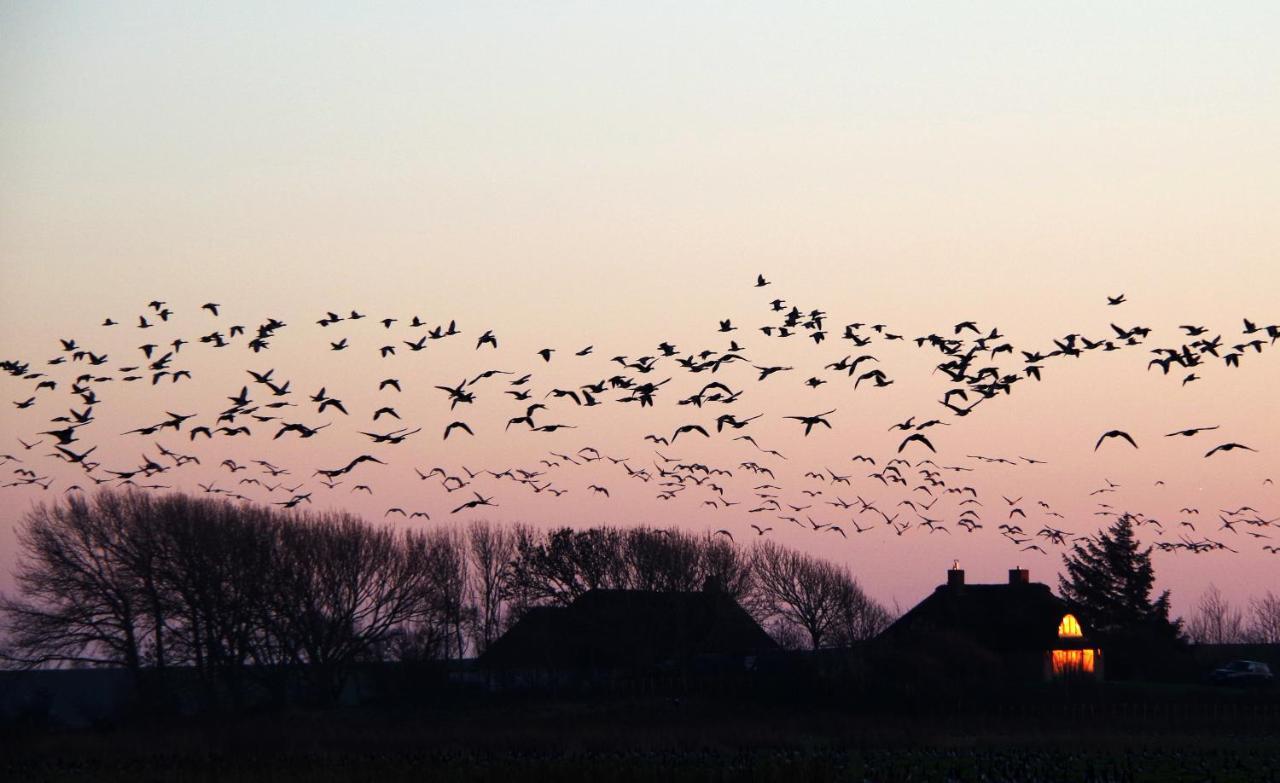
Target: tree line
[
  {"x": 142, "y": 581},
  {"x": 1215, "y": 621}
]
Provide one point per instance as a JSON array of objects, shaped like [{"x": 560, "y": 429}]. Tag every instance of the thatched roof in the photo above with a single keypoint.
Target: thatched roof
[
  {"x": 628, "y": 629},
  {"x": 1002, "y": 618}
]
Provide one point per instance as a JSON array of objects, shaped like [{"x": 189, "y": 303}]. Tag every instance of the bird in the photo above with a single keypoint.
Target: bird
[
  {"x": 765, "y": 372},
  {"x": 394, "y": 437},
  {"x": 917, "y": 437},
  {"x": 349, "y": 466},
  {"x": 1115, "y": 300},
  {"x": 1115, "y": 434},
  {"x": 811, "y": 421},
  {"x": 761, "y": 282},
  {"x": 458, "y": 394},
  {"x": 301, "y": 429},
  {"x": 1227, "y": 447},
  {"x": 553, "y": 427},
  {"x": 689, "y": 428},
  {"x": 332, "y": 402},
  {"x": 480, "y": 500},
  {"x": 457, "y": 425},
  {"x": 1187, "y": 433}
]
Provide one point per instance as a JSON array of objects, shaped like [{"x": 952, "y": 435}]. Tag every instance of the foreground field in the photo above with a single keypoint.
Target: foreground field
[{"x": 658, "y": 740}]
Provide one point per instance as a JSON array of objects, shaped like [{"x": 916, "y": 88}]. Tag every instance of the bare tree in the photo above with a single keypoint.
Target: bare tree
[
  {"x": 731, "y": 568},
  {"x": 666, "y": 560},
  {"x": 786, "y": 633},
  {"x": 491, "y": 550},
  {"x": 216, "y": 578},
  {"x": 341, "y": 588},
  {"x": 799, "y": 589},
  {"x": 79, "y": 601},
  {"x": 860, "y": 617},
  {"x": 1264, "y": 619},
  {"x": 1215, "y": 621},
  {"x": 564, "y": 564},
  {"x": 449, "y": 610}
]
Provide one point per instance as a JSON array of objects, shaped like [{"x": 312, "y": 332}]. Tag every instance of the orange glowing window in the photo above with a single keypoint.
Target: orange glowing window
[
  {"x": 1072, "y": 662},
  {"x": 1069, "y": 628}
]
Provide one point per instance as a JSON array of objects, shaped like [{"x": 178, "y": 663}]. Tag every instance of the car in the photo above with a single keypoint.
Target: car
[{"x": 1242, "y": 673}]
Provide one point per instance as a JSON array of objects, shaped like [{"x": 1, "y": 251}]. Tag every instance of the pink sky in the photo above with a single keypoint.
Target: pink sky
[{"x": 618, "y": 179}]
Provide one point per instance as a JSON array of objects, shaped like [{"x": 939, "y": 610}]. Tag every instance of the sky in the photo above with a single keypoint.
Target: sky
[{"x": 617, "y": 175}]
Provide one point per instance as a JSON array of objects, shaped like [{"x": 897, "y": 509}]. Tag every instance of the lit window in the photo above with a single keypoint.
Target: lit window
[
  {"x": 1072, "y": 662},
  {"x": 1069, "y": 628}
]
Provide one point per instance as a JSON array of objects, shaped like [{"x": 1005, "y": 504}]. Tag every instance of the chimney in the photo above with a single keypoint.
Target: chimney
[
  {"x": 955, "y": 576},
  {"x": 1019, "y": 576}
]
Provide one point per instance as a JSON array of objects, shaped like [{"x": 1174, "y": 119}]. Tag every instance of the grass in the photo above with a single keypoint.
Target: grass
[{"x": 647, "y": 740}]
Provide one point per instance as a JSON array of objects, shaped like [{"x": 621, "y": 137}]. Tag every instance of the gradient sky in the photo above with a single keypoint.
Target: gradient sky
[{"x": 573, "y": 174}]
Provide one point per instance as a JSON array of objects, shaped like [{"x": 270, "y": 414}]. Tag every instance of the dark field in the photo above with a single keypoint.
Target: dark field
[{"x": 662, "y": 740}]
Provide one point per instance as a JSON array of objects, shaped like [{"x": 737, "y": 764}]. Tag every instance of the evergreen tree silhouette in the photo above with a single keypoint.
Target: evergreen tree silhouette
[{"x": 1109, "y": 582}]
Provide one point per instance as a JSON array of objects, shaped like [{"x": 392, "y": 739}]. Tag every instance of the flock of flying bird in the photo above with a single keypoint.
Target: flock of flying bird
[{"x": 908, "y": 493}]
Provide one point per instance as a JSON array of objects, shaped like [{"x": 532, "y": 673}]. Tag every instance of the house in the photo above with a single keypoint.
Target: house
[
  {"x": 610, "y": 633},
  {"x": 1031, "y": 632}
]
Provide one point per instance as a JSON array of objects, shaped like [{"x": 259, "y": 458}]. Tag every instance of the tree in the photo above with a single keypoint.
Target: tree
[
  {"x": 860, "y": 617},
  {"x": 800, "y": 590},
  {"x": 491, "y": 548},
  {"x": 1215, "y": 621},
  {"x": 79, "y": 602},
  {"x": 342, "y": 589},
  {"x": 210, "y": 564},
  {"x": 1109, "y": 580},
  {"x": 564, "y": 564},
  {"x": 1264, "y": 619}
]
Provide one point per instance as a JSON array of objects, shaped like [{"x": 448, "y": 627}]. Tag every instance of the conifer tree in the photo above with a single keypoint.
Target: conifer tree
[{"x": 1109, "y": 581}]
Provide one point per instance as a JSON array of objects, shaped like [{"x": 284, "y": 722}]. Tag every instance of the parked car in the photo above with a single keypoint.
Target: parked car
[{"x": 1242, "y": 673}]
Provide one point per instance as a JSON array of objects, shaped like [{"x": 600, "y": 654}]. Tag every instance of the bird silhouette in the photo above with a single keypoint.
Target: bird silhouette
[
  {"x": 689, "y": 428},
  {"x": 1115, "y": 434},
  {"x": 1227, "y": 447},
  {"x": 812, "y": 421},
  {"x": 480, "y": 500},
  {"x": 349, "y": 466},
  {"x": 457, "y": 425},
  {"x": 1187, "y": 433},
  {"x": 916, "y": 437}
]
